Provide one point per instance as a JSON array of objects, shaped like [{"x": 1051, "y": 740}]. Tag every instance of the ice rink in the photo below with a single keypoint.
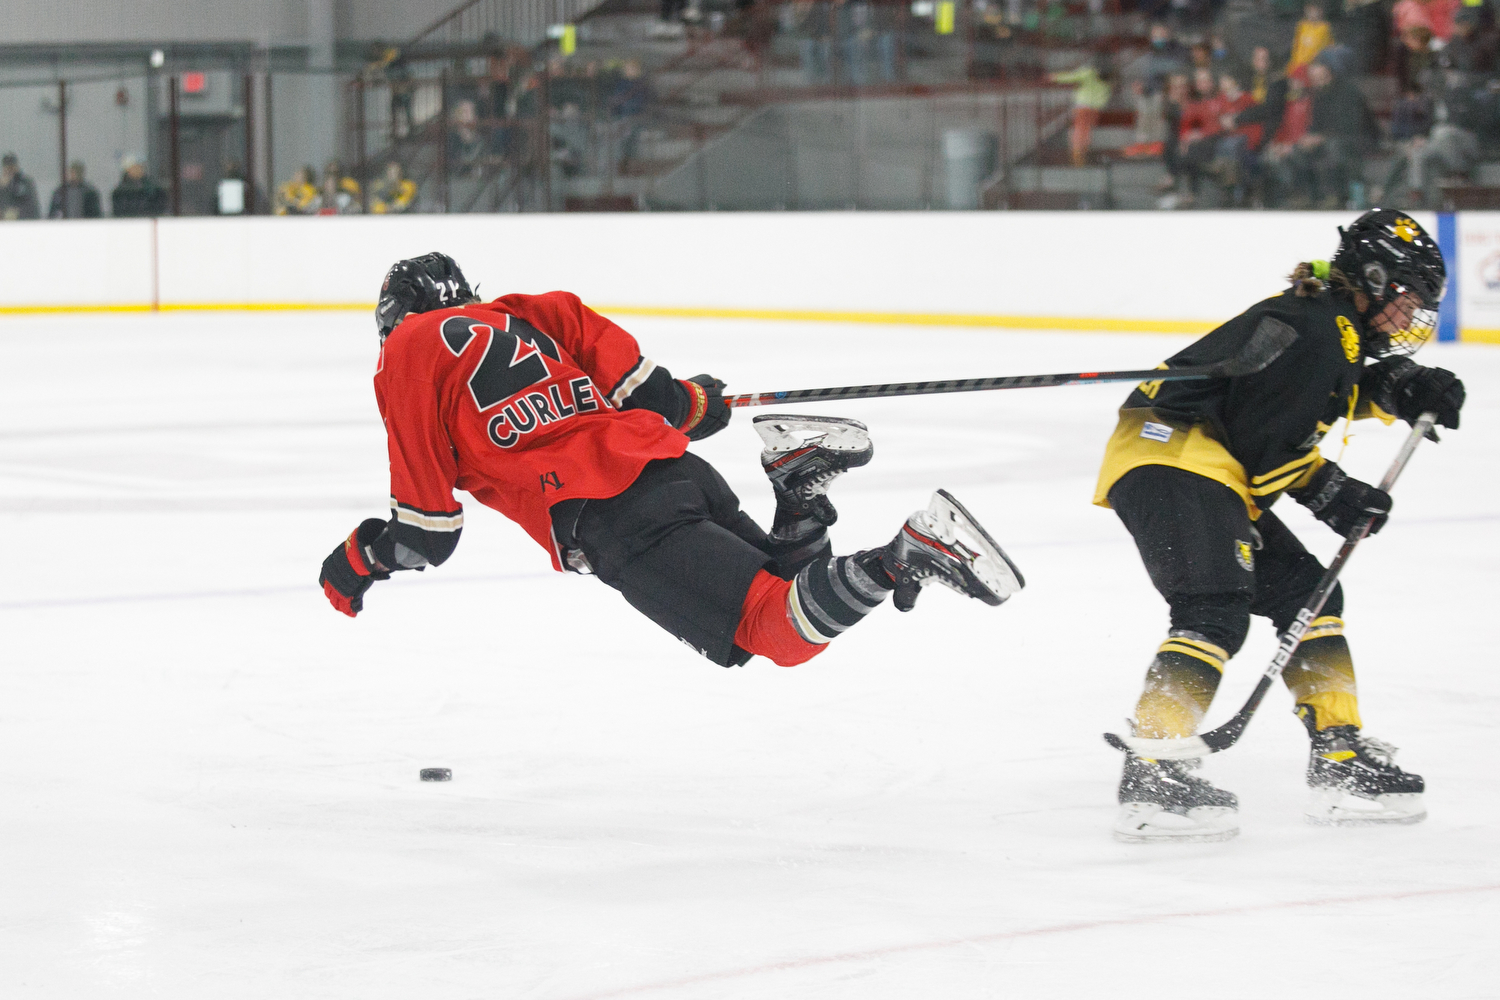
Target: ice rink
[{"x": 210, "y": 777}]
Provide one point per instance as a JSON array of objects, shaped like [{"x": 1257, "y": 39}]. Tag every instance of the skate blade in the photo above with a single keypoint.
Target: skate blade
[
  {"x": 1149, "y": 823},
  {"x": 1334, "y": 807},
  {"x": 781, "y": 432},
  {"x": 991, "y": 568}
]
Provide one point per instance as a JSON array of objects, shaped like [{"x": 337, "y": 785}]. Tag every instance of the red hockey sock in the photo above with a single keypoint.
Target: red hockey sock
[{"x": 766, "y": 630}]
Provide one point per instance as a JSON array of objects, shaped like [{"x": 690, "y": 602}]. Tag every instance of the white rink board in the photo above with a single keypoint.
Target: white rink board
[
  {"x": 1027, "y": 268},
  {"x": 210, "y": 778},
  {"x": 78, "y": 262},
  {"x": 1118, "y": 264}
]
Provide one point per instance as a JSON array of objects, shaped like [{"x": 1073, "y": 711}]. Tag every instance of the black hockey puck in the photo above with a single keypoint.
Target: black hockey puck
[{"x": 436, "y": 774}]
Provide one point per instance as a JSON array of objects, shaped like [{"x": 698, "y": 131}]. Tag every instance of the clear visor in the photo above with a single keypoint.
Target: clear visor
[{"x": 1406, "y": 322}]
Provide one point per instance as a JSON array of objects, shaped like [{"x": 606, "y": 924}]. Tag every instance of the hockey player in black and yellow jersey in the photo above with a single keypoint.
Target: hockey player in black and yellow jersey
[{"x": 1193, "y": 469}]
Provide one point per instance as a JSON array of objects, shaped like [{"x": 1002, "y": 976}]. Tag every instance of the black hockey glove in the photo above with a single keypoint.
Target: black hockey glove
[
  {"x": 707, "y": 412},
  {"x": 351, "y": 569},
  {"x": 1342, "y": 502},
  {"x": 1409, "y": 390}
]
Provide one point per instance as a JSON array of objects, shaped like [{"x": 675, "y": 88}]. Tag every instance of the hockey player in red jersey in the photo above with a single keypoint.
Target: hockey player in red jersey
[{"x": 544, "y": 410}]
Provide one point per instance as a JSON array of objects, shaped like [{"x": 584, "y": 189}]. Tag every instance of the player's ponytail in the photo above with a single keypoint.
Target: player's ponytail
[{"x": 1309, "y": 278}]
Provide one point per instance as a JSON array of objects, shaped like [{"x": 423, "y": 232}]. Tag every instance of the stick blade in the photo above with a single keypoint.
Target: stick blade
[
  {"x": 1185, "y": 748},
  {"x": 1269, "y": 342}
]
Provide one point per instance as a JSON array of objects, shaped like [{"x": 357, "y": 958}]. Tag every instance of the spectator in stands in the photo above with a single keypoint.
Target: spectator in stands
[
  {"x": 393, "y": 193},
  {"x": 389, "y": 67},
  {"x": 297, "y": 196},
  {"x": 75, "y": 198},
  {"x": 17, "y": 191},
  {"x": 1268, "y": 100},
  {"x": 1474, "y": 44},
  {"x": 1150, "y": 122},
  {"x": 1237, "y": 153},
  {"x": 1411, "y": 120},
  {"x": 1263, "y": 79},
  {"x": 1452, "y": 148},
  {"x": 339, "y": 193},
  {"x": 1090, "y": 96},
  {"x": 1165, "y": 57},
  {"x": 1314, "y": 34},
  {"x": 1414, "y": 56},
  {"x": 865, "y": 31},
  {"x": 1276, "y": 159},
  {"x": 1200, "y": 129},
  {"x": 465, "y": 141},
  {"x": 816, "y": 29},
  {"x": 1364, "y": 27},
  {"x": 1435, "y": 15},
  {"x": 1340, "y": 130},
  {"x": 1179, "y": 95},
  {"x": 628, "y": 100},
  {"x": 137, "y": 195}
]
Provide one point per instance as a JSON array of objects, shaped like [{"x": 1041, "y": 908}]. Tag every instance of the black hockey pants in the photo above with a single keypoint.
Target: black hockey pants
[
  {"x": 677, "y": 546},
  {"x": 1215, "y": 567}
]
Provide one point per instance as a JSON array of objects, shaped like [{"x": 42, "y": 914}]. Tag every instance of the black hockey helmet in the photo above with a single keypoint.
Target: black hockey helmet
[
  {"x": 418, "y": 285},
  {"x": 1388, "y": 255}
]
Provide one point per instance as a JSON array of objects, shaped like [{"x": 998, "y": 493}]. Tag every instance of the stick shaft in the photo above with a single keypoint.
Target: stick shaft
[
  {"x": 1270, "y": 341},
  {"x": 965, "y": 385}
]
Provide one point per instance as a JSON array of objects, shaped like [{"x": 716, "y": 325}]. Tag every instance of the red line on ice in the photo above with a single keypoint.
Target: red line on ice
[{"x": 1086, "y": 925}]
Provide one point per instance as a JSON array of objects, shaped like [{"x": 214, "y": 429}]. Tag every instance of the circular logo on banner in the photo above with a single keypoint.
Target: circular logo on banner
[{"x": 1489, "y": 272}]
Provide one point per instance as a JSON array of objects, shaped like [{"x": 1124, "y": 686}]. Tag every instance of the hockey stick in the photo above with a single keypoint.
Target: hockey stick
[
  {"x": 1229, "y": 733},
  {"x": 1266, "y": 344}
]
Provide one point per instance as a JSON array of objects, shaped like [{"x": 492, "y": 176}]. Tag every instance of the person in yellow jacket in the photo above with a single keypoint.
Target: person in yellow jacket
[
  {"x": 1193, "y": 469},
  {"x": 393, "y": 193},
  {"x": 1313, "y": 35},
  {"x": 1090, "y": 97},
  {"x": 297, "y": 196}
]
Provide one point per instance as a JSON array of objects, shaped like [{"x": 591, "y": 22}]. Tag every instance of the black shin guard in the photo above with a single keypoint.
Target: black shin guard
[{"x": 829, "y": 596}]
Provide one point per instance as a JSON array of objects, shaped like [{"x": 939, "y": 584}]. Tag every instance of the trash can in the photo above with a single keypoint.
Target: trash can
[{"x": 968, "y": 158}]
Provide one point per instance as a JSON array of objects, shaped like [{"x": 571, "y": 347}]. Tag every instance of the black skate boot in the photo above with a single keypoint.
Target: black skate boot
[
  {"x": 944, "y": 544},
  {"x": 1355, "y": 781},
  {"x": 802, "y": 455},
  {"x": 1161, "y": 802}
]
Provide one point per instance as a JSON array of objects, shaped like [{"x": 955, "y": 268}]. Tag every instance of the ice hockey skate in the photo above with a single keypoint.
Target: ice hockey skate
[
  {"x": 803, "y": 455},
  {"x": 944, "y": 544},
  {"x": 1354, "y": 781},
  {"x": 1160, "y": 802}
]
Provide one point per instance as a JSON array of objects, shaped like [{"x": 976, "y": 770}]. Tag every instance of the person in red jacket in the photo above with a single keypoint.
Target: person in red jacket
[
  {"x": 1198, "y": 134},
  {"x": 542, "y": 409}
]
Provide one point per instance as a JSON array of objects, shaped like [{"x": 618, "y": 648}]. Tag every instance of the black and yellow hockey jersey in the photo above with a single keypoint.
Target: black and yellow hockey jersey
[{"x": 1257, "y": 434}]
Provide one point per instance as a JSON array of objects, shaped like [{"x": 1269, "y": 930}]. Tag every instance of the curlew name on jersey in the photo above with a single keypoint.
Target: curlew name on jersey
[{"x": 528, "y": 411}]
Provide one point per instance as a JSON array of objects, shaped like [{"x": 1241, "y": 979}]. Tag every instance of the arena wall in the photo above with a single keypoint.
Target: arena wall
[{"x": 1124, "y": 271}]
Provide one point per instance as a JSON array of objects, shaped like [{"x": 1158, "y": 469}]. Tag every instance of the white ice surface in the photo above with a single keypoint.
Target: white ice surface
[{"x": 208, "y": 779}]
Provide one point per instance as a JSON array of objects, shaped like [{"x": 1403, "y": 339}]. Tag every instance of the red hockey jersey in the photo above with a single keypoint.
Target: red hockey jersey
[{"x": 516, "y": 402}]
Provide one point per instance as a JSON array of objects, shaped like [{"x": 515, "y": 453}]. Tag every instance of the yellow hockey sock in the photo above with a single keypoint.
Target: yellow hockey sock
[
  {"x": 1180, "y": 685},
  {"x": 1321, "y": 676}
]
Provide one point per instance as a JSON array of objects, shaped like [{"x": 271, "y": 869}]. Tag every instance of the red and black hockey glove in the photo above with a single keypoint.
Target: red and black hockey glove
[
  {"x": 351, "y": 569},
  {"x": 1341, "y": 501},
  {"x": 707, "y": 412}
]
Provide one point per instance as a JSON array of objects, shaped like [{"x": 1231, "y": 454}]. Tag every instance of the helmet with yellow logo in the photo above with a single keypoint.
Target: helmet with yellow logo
[{"x": 1393, "y": 260}]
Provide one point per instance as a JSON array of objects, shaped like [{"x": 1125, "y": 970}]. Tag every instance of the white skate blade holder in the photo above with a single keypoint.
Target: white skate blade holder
[
  {"x": 782, "y": 432},
  {"x": 955, "y": 527},
  {"x": 1150, "y": 823},
  {"x": 1335, "y": 807}
]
